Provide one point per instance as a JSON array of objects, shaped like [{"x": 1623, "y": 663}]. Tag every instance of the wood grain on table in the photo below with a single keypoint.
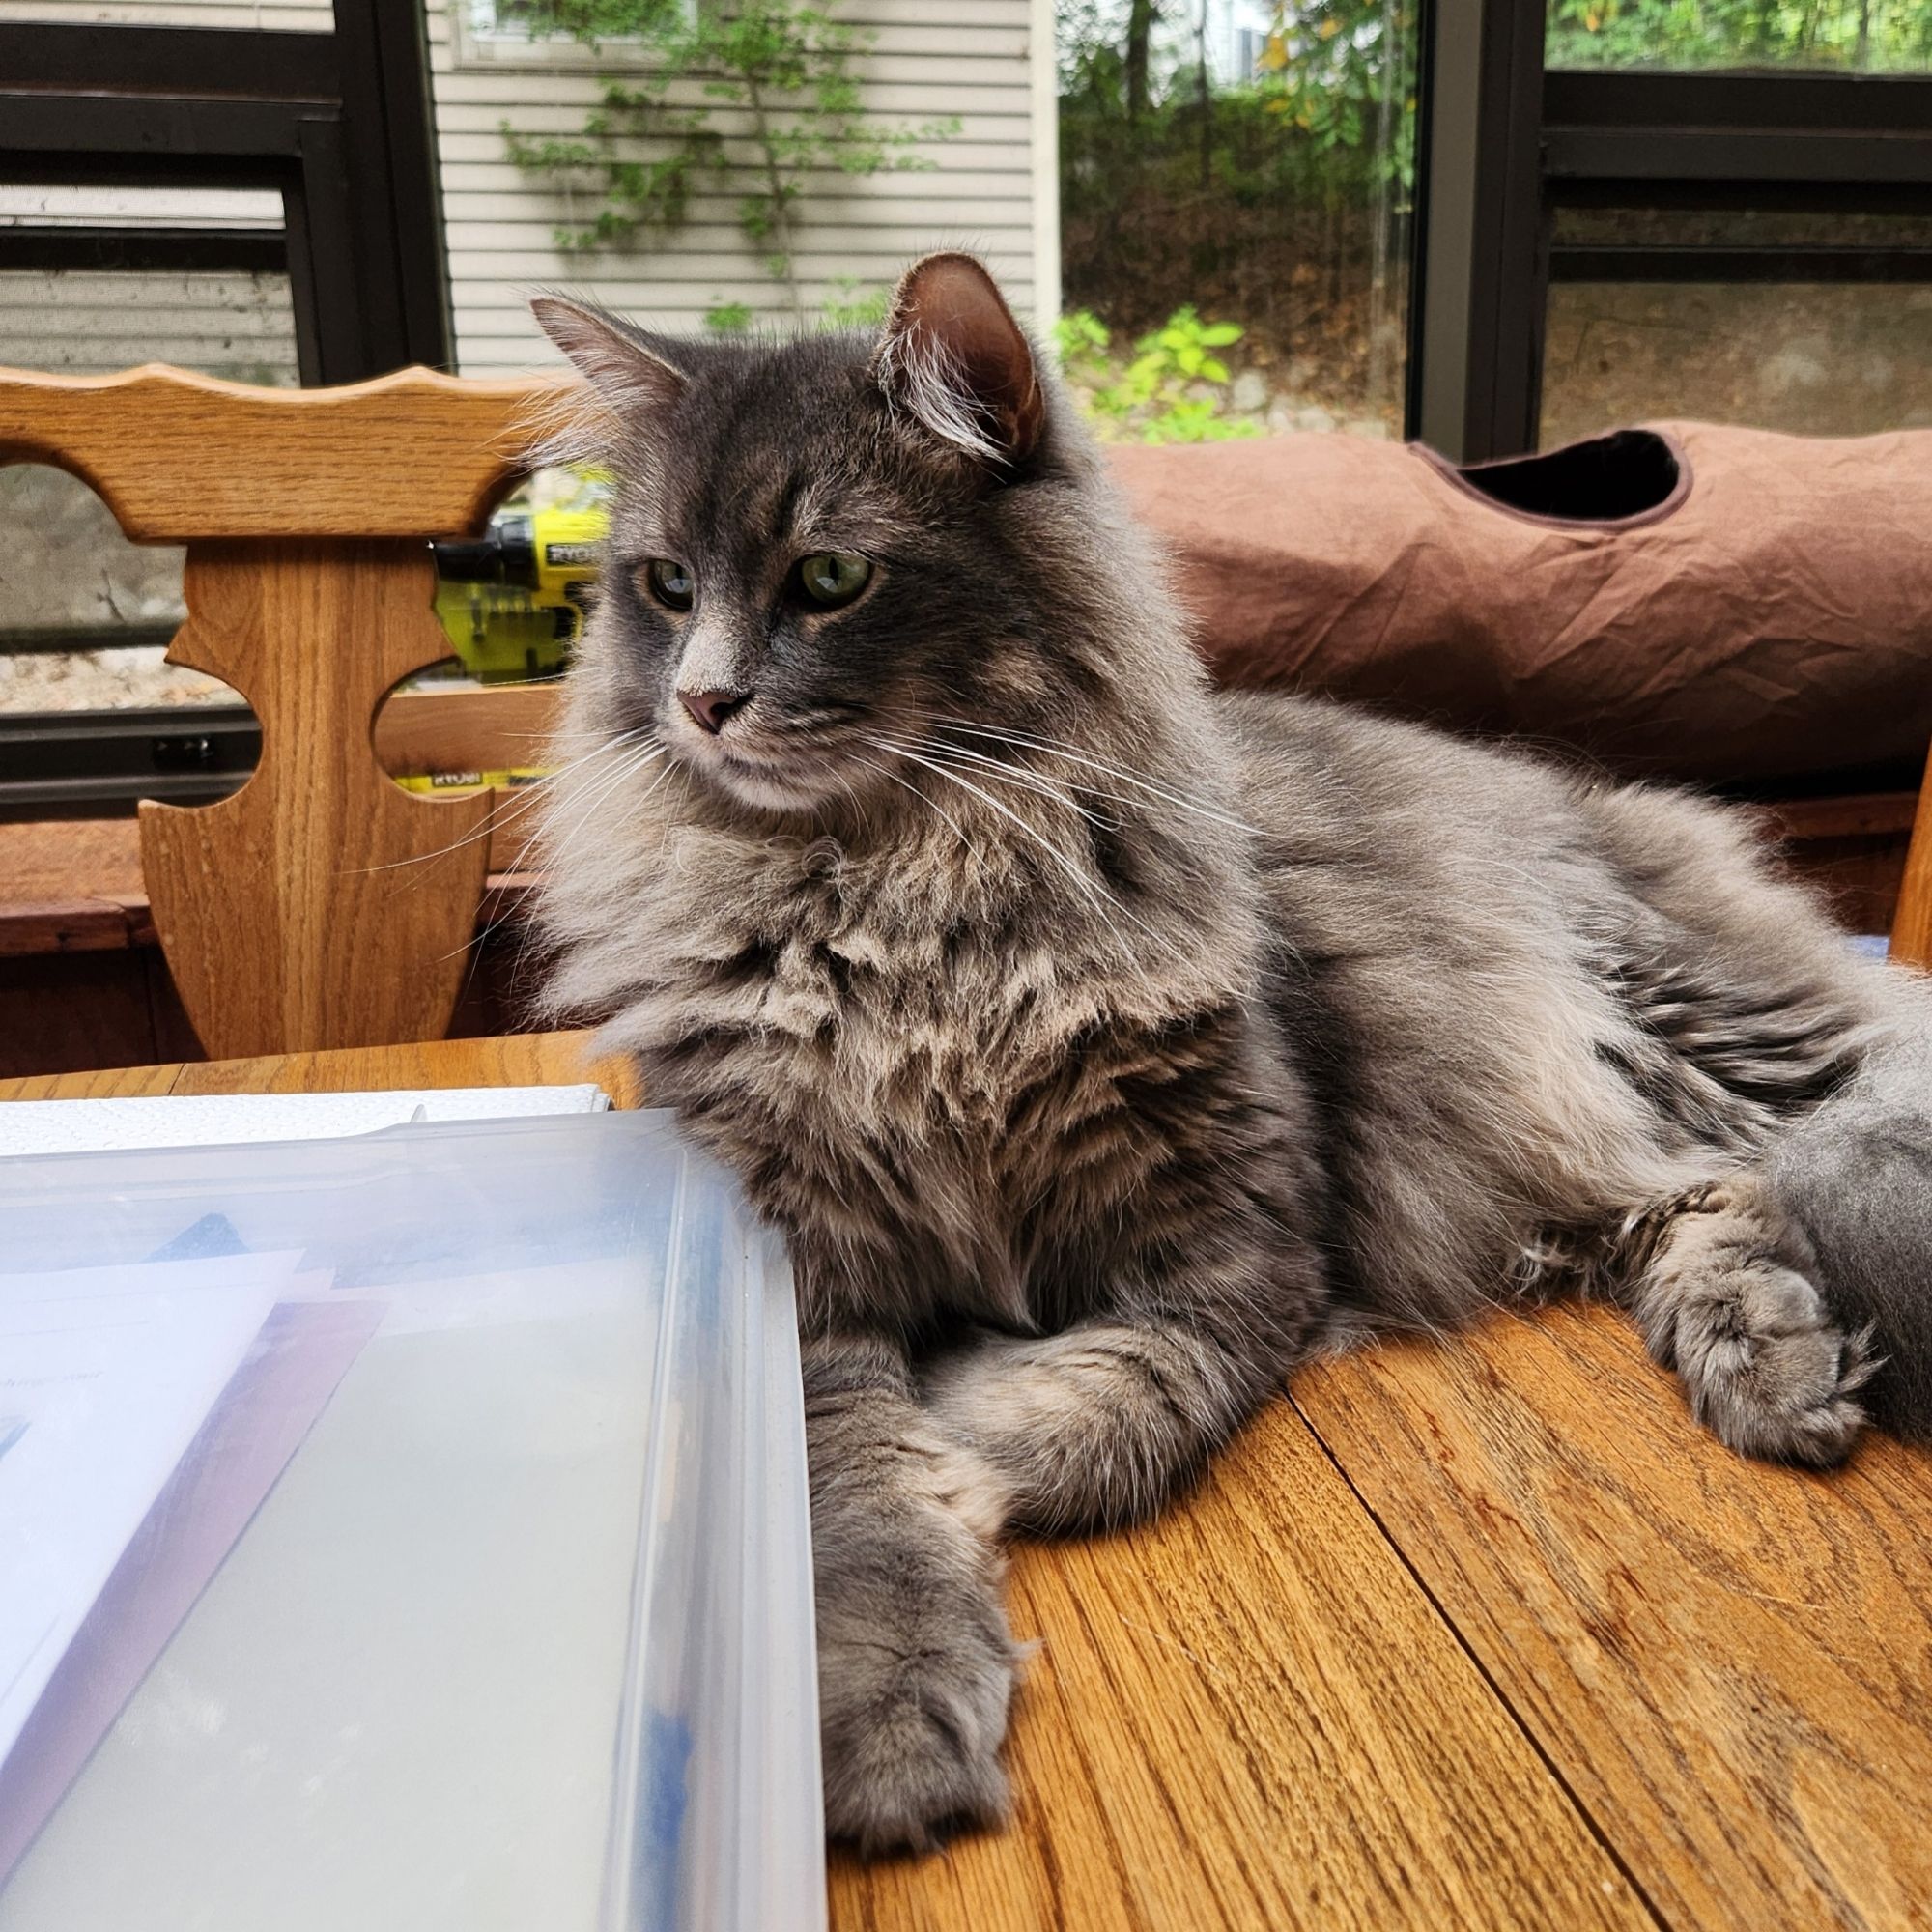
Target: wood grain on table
[
  {"x": 1728, "y": 1664},
  {"x": 1248, "y": 1714},
  {"x": 1473, "y": 1633},
  {"x": 509, "y": 1060}
]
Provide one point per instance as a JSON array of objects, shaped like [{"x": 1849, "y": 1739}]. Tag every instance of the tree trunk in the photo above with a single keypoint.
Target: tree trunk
[
  {"x": 1382, "y": 213},
  {"x": 1206, "y": 94},
  {"x": 1141, "y": 17}
]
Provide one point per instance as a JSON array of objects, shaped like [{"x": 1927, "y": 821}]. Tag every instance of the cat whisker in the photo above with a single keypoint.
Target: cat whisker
[
  {"x": 602, "y": 788},
  {"x": 1087, "y": 886},
  {"x": 1168, "y": 945},
  {"x": 551, "y": 840},
  {"x": 1053, "y": 749},
  {"x": 1034, "y": 781},
  {"x": 1095, "y": 893},
  {"x": 595, "y": 792},
  {"x": 528, "y": 798},
  {"x": 544, "y": 785},
  {"x": 872, "y": 764},
  {"x": 556, "y": 836}
]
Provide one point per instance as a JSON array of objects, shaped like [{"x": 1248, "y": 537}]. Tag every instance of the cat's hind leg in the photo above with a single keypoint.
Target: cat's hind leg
[
  {"x": 1726, "y": 1292},
  {"x": 1857, "y": 1175}
]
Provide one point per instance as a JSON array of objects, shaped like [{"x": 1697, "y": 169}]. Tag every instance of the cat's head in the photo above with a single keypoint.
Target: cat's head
[{"x": 826, "y": 554}]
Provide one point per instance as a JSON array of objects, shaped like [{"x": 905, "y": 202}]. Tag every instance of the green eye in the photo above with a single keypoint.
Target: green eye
[
  {"x": 833, "y": 577},
  {"x": 671, "y": 583}
]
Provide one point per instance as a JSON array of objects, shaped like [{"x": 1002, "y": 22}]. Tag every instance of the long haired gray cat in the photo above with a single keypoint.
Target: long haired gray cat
[{"x": 1105, "y": 1044}]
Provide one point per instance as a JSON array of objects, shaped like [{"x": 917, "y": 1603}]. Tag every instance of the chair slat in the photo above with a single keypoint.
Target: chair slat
[
  {"x": 177, "y": 456},
  {"x": 1912, "y": 921},
  {"x": 321, "y": 906}
]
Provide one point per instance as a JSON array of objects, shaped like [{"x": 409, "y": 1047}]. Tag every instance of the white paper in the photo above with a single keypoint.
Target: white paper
[
  {"x": 105, "y": 1375},
  {"x": 221, "y": 1119}
]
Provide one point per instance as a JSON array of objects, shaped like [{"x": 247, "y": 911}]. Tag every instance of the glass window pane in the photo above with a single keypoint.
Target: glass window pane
[
  {"x": 84, "y": 322},
  {"x": 103, "y": 278},
  {"x": 1683, "y": 36},
  {"x": 88, "y": 205},
  {"x": 1845, "y": 359},
  {"x": 88, "y": 615},
  {"x": 313, "y": 16},
  {"x": 1236, "y": 186}
]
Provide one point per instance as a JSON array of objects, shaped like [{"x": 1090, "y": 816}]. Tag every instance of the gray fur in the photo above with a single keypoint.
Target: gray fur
[
  {"x": 1105, "y": 1044},
  {"x": 1856, "y": 1177}
]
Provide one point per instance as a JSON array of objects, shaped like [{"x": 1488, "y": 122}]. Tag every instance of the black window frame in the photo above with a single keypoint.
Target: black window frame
[
  {"x": 1528, "y": 141},
  {"x": 340, "y": 123},
  {"x": 337, "y": 122}
]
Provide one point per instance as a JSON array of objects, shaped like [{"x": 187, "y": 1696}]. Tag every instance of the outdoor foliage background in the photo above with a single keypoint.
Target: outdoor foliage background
[
  {"x": 1237, "y": 211},
  {"x": 1281, "y": 204},
  {"x": 1278, "y": 203},
  {"x": 1861, "y": 35}
]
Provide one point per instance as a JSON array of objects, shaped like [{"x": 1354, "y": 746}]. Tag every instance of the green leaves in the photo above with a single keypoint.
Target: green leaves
[
  {"x": 1080, "y": 335},
  {"x": 852, "y": 307},
  {"x": 1158, "y": 396},
  {"x": 786, "y": 65},
  {"x": 1862, "y": 36}
]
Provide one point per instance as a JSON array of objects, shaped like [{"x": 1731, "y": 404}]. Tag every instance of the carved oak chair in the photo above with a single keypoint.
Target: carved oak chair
[
  {"x": 310, "y": 909},
  {"x": 322, "y": 905}
]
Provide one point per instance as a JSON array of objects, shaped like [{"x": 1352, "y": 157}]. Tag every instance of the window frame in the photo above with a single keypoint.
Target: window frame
[
  {"x": 473, "y": 51},
  {"x": 337, "y": 122},
  {"x": 339, "y": 125},
  {"x": 1530, "y": 141}
]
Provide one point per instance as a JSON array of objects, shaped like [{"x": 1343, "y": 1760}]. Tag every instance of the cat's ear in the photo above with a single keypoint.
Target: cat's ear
[
  {"x": 629, "y": 372},
  {"x": 953, "y": 357},
  {"x": 630, "y": 380}
]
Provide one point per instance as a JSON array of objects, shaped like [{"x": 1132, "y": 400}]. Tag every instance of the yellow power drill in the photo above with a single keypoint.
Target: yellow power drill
[{"x": 514, "y": 600}]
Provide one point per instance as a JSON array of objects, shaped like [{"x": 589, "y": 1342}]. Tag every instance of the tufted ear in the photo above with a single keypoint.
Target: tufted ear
[
  {"x": 953, "y": 357},
  {"x": 630, "y": 380},
  {"x": 620, "y": 361}
]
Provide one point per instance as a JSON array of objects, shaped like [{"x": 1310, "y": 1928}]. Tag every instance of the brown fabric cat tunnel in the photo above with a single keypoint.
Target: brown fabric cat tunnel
[{"x": 1682, "y": 599}]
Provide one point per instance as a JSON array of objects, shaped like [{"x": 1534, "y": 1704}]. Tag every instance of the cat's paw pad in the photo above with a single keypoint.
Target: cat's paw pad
[
  {"x": 1769, "y": 1373},
  {"x": 918, "y": 1759}
]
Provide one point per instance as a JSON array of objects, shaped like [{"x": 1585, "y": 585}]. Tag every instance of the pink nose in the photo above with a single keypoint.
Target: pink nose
[{"x": 709, "y": 709}]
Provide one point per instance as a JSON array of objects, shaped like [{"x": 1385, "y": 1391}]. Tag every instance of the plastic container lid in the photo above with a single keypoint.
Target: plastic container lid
[{"x": 517, "y": 1630}]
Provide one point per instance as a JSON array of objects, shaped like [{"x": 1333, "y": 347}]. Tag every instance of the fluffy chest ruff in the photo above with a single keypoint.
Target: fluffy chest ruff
[{"x": 951, "y": 1080}]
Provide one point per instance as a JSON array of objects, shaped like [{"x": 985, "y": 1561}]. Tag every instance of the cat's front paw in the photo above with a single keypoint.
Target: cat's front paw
[{"x": 912, "y": 1742}]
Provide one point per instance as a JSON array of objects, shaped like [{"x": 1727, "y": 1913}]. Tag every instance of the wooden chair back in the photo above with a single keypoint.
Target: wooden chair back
[{"x": 311, "y": 909}]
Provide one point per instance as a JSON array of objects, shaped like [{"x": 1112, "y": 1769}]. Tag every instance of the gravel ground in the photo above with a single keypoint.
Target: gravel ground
[{"x": 99, "y": 680}]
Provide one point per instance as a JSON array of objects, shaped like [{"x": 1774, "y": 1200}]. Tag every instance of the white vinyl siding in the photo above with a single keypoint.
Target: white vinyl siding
[{"x": 928, "y": 60}]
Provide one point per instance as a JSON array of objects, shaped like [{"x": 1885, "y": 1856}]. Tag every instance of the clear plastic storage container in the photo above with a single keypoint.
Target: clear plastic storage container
[{"x": 481, "y": 1598}]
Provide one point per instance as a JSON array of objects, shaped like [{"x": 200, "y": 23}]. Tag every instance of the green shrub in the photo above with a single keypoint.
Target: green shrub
[{"x": 1171, "y": 390}]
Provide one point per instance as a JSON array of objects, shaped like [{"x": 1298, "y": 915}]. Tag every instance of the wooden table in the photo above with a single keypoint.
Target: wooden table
[{"x": 1480, "y": 1633}]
